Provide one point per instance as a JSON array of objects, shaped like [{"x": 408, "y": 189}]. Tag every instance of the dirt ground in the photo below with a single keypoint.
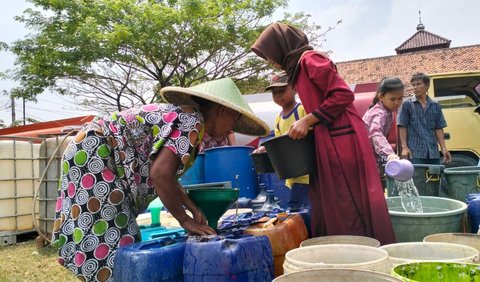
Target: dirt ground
[{"x": 23, "y": 262}]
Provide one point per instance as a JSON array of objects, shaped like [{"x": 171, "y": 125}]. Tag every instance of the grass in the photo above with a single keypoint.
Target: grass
[{"x": 24, "y": 262}]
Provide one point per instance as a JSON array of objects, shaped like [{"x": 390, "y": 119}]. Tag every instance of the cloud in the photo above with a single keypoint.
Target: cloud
[{"x": 372, "y": 28}]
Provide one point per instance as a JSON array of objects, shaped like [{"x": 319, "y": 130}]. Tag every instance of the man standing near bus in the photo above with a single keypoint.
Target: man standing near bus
[{"x": 420, "y": 126}]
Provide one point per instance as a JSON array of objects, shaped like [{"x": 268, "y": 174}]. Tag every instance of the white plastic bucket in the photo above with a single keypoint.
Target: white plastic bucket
[
  {"x": 341, "y": 239},
  {"x": 336, "y": 275},
  {"x": 468, "y": 239},
  {"x": 429, "y": 251},
  {"x": 336, "y": 256}
]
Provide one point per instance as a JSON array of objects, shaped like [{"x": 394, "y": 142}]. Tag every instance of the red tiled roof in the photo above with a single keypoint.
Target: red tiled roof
[
  {"x": 423, "y": 40},
  {"x": 466, "y": 58}
]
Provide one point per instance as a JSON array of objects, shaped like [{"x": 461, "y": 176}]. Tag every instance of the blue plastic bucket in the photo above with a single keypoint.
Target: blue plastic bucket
[
  {"x": 158, "y": 260},
  {"x": 195, "y": 174},
  {"x": 245, "y": 258},
  {"x": 232, "y": 163},
  {"x": 473, "y": 210}
]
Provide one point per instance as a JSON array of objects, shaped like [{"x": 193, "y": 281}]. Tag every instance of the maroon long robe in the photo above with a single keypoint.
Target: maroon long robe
[{"x": 347, "y": 196}]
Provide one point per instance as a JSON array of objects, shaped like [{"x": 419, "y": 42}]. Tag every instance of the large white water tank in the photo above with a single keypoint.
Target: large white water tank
[
  {"x": 18, "y": 180},
  {"x": 48, "y": 192}
]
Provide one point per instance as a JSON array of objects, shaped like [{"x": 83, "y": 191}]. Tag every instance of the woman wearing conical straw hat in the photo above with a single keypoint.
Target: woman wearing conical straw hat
[{"x": 117, "y": 164}]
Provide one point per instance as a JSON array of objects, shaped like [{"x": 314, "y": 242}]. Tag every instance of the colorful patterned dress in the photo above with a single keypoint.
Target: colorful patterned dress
[
  {"x": 212, "y": 142},
  {"x": 105, "y": 182}
]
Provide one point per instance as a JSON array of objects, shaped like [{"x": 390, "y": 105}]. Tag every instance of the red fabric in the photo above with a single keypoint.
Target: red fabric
[{"x": 347, "y": 196}]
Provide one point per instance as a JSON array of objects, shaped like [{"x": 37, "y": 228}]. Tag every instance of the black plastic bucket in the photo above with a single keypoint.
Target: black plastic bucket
[
  {"x": 292, "y": 158},
  {"x": 262, "y": 163}
]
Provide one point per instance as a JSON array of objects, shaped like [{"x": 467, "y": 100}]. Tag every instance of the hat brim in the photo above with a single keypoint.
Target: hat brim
[
  {"x": 276, "y": 84},
  {"x": 248, "y": 124}
]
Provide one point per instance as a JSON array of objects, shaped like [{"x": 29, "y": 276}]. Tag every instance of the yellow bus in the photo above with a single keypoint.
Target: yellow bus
[{"x": 459, "y": 96}]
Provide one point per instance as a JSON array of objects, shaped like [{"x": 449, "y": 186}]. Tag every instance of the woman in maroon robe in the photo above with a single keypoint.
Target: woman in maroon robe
[{"x": 347, "y": 196}]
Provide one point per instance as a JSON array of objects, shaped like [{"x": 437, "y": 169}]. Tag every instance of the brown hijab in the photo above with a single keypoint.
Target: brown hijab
[{"x": 283, "y": 44}]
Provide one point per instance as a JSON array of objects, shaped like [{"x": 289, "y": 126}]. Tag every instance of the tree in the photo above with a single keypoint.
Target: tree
[{"x": 114, "y": 54}]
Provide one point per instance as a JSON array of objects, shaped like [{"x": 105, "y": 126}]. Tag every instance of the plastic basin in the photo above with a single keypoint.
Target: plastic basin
[
  {"x": 461, "y": 181},
  {"x": 441, "y": 215},
  {"x": 292, "y": 158},
  {"x": 341, "y": 239},
  {"x": 336, "y": 256},
  {"x": 336, "y": 275},
  {"x": 429, "y": 251},
  {"x": 468, "y": 239},
  {"x": 262, "y": 163}
]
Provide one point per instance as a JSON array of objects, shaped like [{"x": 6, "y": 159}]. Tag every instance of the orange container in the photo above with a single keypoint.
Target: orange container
[{"x": 283, "y": 236}]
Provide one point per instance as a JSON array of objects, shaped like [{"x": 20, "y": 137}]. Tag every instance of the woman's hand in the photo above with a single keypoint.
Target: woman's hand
[
  {"x": 197, "y": 225},
  {"x": 260, "y": 149},
  {"x": 195, "y": 228},
  {"x": 162, "y": 173}
]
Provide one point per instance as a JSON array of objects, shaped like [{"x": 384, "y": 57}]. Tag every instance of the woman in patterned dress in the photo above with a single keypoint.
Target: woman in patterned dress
[{"x": 117, "y": 164}]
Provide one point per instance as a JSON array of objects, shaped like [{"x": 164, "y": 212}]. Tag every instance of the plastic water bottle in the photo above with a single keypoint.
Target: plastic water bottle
[
  {"x": 261, "y": 197},
  {"x": 155, "y": 208},
  {"x": 269, "y": 204}
]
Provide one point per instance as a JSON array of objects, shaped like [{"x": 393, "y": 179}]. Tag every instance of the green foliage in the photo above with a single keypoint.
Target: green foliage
[
  {"x": 20, "y": 122},
  {"x": 115, "y": 53}
]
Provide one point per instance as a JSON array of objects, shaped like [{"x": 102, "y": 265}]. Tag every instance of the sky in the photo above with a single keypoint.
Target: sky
[{"x": 369, "y": 29}]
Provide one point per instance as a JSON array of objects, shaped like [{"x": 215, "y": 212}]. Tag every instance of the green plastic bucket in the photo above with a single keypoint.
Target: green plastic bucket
[
  {"x": 426, "y": 178},
  {"x": 461, "y": 181},
  {"x": 437, "y": 272},
  {"x": 440, "y": 215}
]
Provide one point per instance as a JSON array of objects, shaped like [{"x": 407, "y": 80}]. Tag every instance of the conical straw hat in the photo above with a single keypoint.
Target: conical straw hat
[{"x": 224, "y": 92}]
